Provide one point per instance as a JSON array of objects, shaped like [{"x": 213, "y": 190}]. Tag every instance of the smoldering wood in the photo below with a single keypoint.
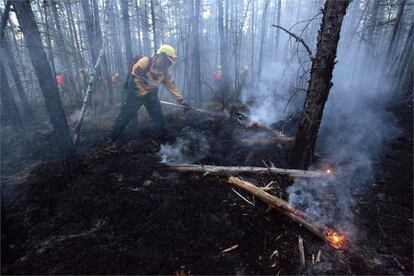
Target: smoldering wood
[
  {"x": 87, "y": 98},
  {"x": 284, "y": 208},
  {"x": 235, "y": 170},
  {"x": 301, "y": 252}
]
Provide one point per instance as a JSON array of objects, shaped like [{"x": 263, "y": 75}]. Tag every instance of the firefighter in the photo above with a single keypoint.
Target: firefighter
[
  {"x": 218, "y": 79},
  {"x": 147, "y": 74}
]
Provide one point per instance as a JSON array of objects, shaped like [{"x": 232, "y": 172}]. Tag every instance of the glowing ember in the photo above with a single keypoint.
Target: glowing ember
[{"x": 336, "y": 239}]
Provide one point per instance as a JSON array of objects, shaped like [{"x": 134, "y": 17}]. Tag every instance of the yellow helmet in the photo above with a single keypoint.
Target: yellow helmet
[{"x": 169, "y": 51}]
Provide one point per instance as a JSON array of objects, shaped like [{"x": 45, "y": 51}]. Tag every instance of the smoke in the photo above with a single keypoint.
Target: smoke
[
  {"x": 74, "y": 116},
  {"x": 268, "y": 99},
  {"x": 355, "y": 125},
  {"x": 355, "y": 128},
  {"x": 190, "y": 147}
]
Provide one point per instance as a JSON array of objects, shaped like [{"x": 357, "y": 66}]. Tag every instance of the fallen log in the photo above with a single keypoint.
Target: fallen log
[
  {"x": 225, "y": 170},
  {"x": 268, "y": 140},
  {"x": 335, "y": 239}
]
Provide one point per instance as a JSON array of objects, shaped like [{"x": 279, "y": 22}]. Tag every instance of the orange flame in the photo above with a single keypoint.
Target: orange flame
[{"x": 335, "y": 238}]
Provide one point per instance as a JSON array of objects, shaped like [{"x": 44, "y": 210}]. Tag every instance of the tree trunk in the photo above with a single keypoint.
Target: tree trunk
[
  {"x": 154, "y": 32},
  {"x": 252, "y": 58},
  {"x": 223, "y": 54},
  {"x": 145, "y": 28},
  {"x": 277, "y": 38},
  {"x": 19, "y": 86},
  {"x": 89, "y": 25},
  {"x": 319, "y": 83},
  {"x": 64, "y": 54},
  {"x": 396, "y": 29},
  {"x": 48, "y": 41},
  {"x": 262, "y": 38},
  {"x": 138, "y": 22},
  {"x": 47, "y": 83},
  {"x": 10, "y": 110},
  {"x": 196, "y": 60},
  {"x": 8, "y": 55},
  {"x": 127, "y": 31}
]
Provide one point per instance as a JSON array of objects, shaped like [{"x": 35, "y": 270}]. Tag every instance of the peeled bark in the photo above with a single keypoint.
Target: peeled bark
[
  {"x": 319, "y": 83},
  {"x": 86, "y": 99},
  {"x": 47, "y": 82},
  {"x": 228, "y": 170}
]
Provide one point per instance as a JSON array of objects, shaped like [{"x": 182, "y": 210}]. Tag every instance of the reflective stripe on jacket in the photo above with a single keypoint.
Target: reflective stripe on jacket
[{"x": 152, "y": 79}]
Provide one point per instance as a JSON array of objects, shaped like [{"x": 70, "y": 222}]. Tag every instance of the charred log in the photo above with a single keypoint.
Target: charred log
[{"x": 322, "y": 231}]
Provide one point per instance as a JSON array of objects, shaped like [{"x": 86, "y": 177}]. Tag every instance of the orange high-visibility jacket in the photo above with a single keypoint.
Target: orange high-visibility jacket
[{"x": 152, "y": 79}]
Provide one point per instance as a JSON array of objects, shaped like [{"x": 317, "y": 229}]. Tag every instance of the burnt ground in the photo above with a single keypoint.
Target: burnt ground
[{"x": 124, "y": 213}]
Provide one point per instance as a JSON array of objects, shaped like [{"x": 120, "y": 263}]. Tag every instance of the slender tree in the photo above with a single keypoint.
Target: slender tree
[
  {"x": 319, "y": 83},
  {"x": 90, "y": 30},
  {"x": 47, "y": 83},
  {"x": 64, "y": 57},
  {"x": 153, "y": 20},
  {"x": 197, "y": 65},
  {"x": 262, "y": 37},
  {"x": 127, "y": 31},
  {"x": 11, "y": 112},
  {"x": 9, "y": 57}
]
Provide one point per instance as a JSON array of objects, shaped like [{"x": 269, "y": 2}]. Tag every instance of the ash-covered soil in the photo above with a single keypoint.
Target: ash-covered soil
[{"x": 125, "y": 213}]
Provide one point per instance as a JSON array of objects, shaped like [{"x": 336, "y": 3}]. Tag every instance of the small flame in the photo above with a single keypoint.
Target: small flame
[{"x": 335, "y": 238}]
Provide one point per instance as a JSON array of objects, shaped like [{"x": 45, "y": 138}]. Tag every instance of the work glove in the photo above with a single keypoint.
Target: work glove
[{"x": 185, "y": 103}]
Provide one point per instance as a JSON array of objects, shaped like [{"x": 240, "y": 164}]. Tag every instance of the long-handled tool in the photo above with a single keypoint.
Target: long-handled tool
[{"x": 194, "y": 109}]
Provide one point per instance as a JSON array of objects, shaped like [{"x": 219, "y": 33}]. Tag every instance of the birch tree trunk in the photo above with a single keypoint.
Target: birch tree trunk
[{"x": 319, "y": 83}]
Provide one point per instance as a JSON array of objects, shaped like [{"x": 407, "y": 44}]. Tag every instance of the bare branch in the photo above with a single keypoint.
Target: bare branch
[{"x": 299, "y": 39}]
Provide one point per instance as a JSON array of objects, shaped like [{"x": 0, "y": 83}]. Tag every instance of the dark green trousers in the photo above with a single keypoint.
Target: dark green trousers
[{"x": 131, "y": 104}]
